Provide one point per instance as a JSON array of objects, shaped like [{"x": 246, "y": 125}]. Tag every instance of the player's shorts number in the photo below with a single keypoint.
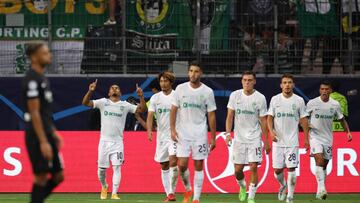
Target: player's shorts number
[
  {"x": 119, "y": 155},
  {"x": 174, "y": 145},
  {"x": 292, "y": 157},
  {"x": 328, "y": 150},
  {"x": 258, "y": 151},
  {"x": 202, "y": 148}
]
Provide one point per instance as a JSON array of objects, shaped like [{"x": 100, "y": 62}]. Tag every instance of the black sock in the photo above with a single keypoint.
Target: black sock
[
  {"x": 50, "y": 185},
  {"x": 37, "y": 194}
]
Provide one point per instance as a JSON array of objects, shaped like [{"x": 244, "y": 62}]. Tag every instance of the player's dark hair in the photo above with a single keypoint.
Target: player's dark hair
[
  {"x": 195, "y": 63},
  {"x": 32, "y": 47},
  {"x": 155, "y": 85},
  {"x": 335, "y": 85},
  {"x": 287, "y": 75},
  {"x": 249, "y": 72},
  {"x": 326, "y": 82},
  {"x": 168, "y": 75}
]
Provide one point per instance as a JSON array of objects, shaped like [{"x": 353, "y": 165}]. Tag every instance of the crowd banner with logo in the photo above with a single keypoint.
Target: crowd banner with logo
[
  {"x": 80, "y": 156},
  {"x": 159, "y": 27},
  {"x": 70, "y": 18}
]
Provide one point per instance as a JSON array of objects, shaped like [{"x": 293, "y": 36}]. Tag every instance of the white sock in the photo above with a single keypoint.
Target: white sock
[
  {"x": 252, "y": 190},
  {"x": 280, "y": 178},
  {"x": 116, "y": 179},
  {"x": 291, "y": 181},
  {"x": 198, "y": 183},
  {"x": 320, "y": 178},
  {"x": 185, "y": 177},
  {"x": 174, "y": 173},
  {"x": 242, "y": 182},
  {"x": 165, "y": 177},
  {"x": 102, "y": 176}
]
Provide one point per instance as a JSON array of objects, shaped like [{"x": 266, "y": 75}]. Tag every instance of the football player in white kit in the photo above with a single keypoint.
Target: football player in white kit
[
  {"x": 160, "y": 105},
  {"x": 248, "y": 106},
  {"x": 113, "y": 113},
  {"x": 285, "y": 113},
  {"x": 193, "y": 100},
  {"x": 322, "y": 111}
]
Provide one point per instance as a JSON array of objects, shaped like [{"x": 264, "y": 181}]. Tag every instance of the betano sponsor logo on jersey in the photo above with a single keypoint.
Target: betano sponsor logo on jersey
[
  {"x": 164, "y": 110},
  {"x": 283, "y": 114},
  {"x": 246, "y": 112},
  {"x": 319, "y": 116},
  {"x": 191, "y": 105},
  {"x": 108, "y": 113}
]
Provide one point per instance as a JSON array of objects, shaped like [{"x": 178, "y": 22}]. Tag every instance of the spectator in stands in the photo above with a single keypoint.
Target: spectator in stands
[
  {"x": 112, "y": 9},
  {"x": 336, "y": 95}
]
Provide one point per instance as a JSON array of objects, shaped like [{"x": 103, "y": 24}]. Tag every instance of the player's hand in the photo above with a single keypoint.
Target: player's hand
[
  {"x": 267, "y": 147},
  {"x": 228, "y": 140},
  {"x": 212, "y": 144},
  {"x": 349, "y": 136},
  {"x": 58, "y": 140},
  {"x": 139, "y": 91},
  {"x": 92, "y": 86},
  {"x": 46, "y": 150},
  {"x": 174, "y": 135},
  {"x": 274, "y": 137},
  {"x": 307, "y": 145},
  {"x": 150, "y": 136}
]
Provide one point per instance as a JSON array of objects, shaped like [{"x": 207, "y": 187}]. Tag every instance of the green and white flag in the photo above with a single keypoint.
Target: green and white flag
[
  {"x": 214, "y": 22},
  {"x": 318, "y": 18}
]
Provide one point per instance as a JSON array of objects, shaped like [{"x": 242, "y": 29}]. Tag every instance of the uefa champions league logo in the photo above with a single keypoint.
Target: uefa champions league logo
[{"x": 229, "y": 168}]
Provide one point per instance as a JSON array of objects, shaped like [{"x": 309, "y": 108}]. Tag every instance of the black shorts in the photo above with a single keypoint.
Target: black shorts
[{"x": 38, "y": 162}]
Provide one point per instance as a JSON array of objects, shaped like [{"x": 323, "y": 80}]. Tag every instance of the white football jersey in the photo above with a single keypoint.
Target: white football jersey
[
  {"x": 322, "y": 115},
  {"x": 193, "y": 105},
  {"x": 248, "y": 110},
  {"x": 113, "y": 118},
  {"x": 160, "y": 104},
  {"x": 287, "y": 113}
]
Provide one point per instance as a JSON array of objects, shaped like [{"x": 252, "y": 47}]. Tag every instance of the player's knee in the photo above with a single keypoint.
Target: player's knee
[
  {"x": 40, "y": 179},
  {"x": 278, "y": 171},
  {"x": 182, "y": 167},
  {"x": 291, "y": 169},
  {"x": 165, "y": 166},
  {"x": 253, "y": 168},
  {"x": 198, "y": 165}
]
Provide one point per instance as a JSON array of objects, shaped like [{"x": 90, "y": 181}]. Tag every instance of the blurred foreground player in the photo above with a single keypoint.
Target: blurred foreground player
[
  {"x": 322, "y": 111},
  {"x": 42, "y": 141},
  {"x": 113, "y": 113}
]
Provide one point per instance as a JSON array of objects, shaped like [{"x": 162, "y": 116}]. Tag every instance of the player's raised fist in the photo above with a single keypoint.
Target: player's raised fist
[
  {"x": 92, "y": 86},
  {"x": 139, "y": 91}
]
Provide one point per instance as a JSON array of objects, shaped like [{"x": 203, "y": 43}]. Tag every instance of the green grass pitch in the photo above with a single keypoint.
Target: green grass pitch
[{"x": 154, "y": 198}]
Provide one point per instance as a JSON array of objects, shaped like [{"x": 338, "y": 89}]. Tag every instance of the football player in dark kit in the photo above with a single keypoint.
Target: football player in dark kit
[{"x": 42, "y": 141}]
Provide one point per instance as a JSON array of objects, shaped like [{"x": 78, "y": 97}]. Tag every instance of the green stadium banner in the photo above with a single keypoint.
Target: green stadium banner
[
  {"x": 70, "y": 18},
  {"x": 159, "y": 27},
  {"x": 318, "y": 18}
]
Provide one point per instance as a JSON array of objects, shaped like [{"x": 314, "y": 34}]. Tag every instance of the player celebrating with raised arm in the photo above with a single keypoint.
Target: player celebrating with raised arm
[
  {"x": 249, "y": 108},
  {"x": 192, "y": 101},
  {"x": 42, "y": 141},
  {"x": 322, "y": 111},
  {"x": 160, "y": 105},
  {"x": 285, "y": 113},
  {"x": 113, "y": 113}
]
